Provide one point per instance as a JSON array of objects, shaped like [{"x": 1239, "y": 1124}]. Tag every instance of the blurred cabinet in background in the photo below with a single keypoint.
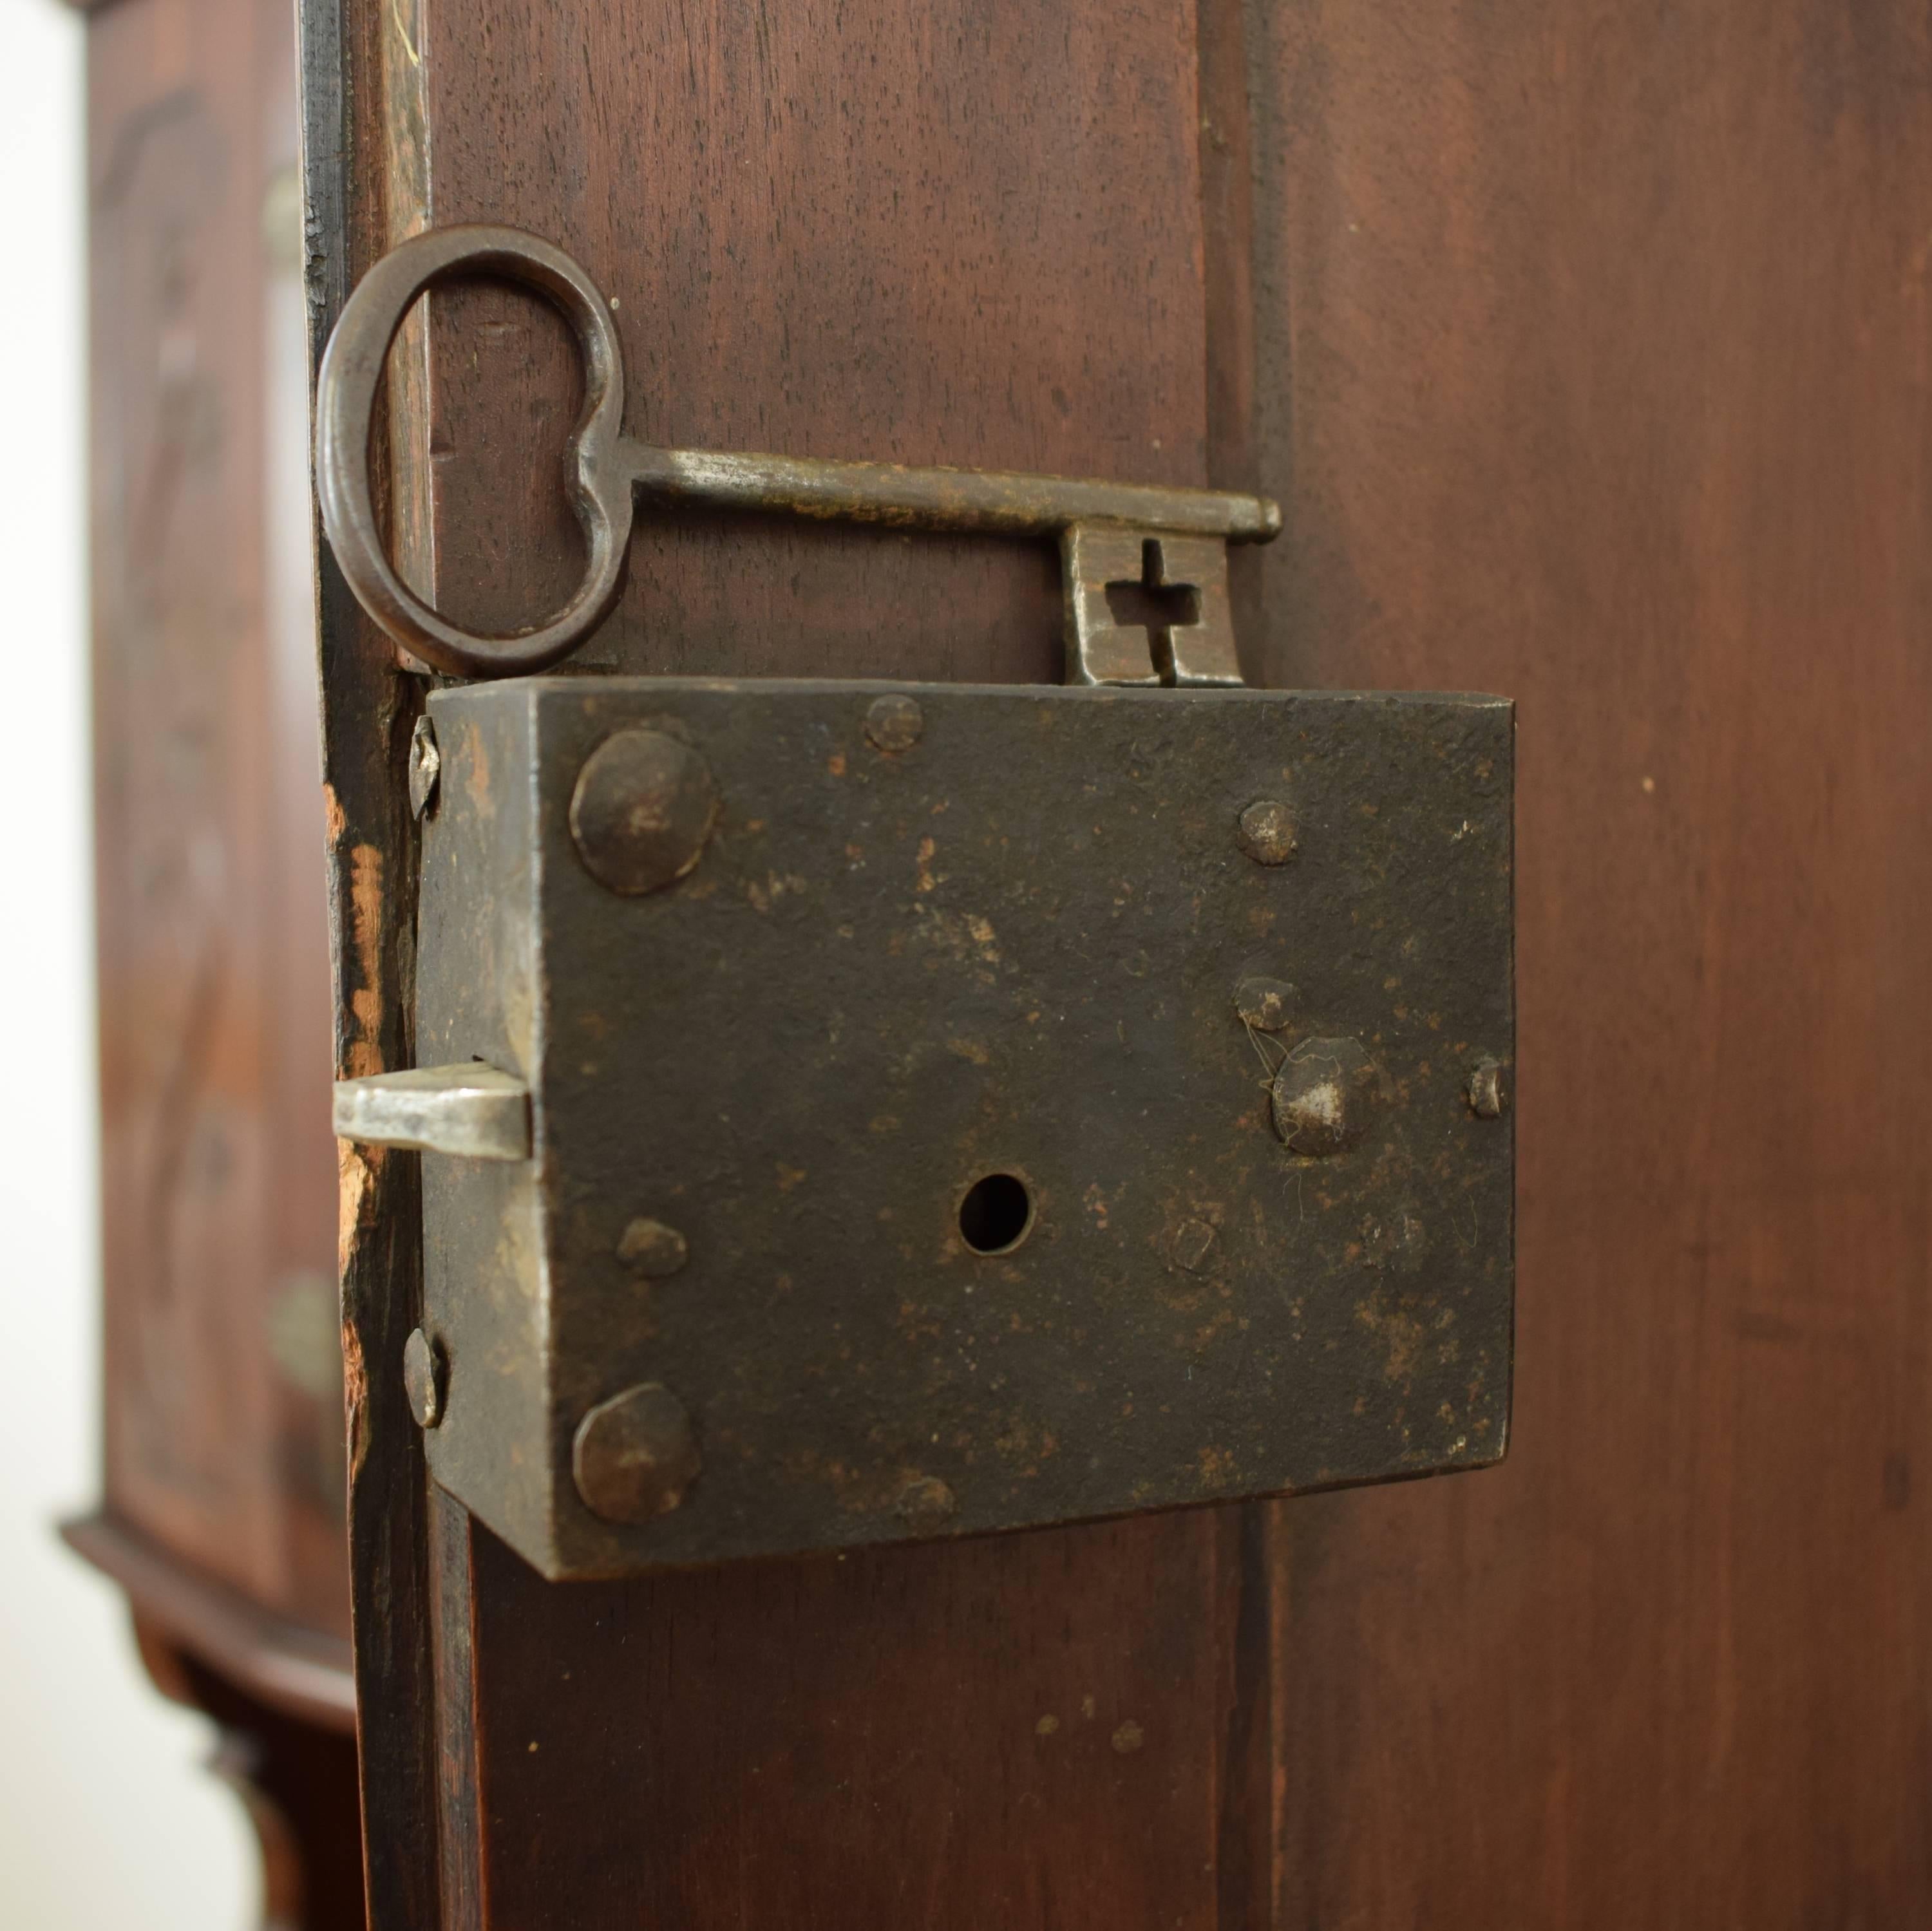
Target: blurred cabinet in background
[{"x": 224, "y": 1511}]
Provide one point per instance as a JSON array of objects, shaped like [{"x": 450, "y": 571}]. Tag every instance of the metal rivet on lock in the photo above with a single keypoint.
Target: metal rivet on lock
[
  {"x": 643, "y": 809},
  {"x": 926, "y": 1502},
  {"x": 1264, "y": 1004},
  {"x": 1321, "y": 1095},
  {"x": 1266, "y": 831},
  {"x": 425, "y": 1378},
  {"x": 635, "y": 1455},
  {"x": 1488, "y": 1090},
  {"x": 894, "y": 724},
  {"x": 651, "y": 1249},
  {"x": 1191, "y": 1244}
]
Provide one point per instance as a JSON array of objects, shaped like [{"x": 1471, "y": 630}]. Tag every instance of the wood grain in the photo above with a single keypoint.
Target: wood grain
[
  {"x": 223, "y": 1513},
  {"x": 1595, "y": 343},
  {"x": 1025, "y": 1731}
]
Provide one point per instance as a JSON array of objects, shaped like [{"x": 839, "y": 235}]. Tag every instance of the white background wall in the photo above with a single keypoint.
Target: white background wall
[{"x": 107, "y": 1821}]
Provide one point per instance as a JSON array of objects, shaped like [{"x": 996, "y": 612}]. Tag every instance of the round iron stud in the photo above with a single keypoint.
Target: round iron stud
[
  {"x": 643, "y": 809},
  {"x": 635, "y": 1455},
  {"x": 894, "y": 724},
  {"x": 1321, "y": 1095},
  {"x": 1266, "y": 831},
  {"x": 649, "y": 1247}
]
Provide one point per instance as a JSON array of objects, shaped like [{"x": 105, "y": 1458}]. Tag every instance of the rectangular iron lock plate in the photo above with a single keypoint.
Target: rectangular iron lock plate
[{"x": 955, "y": 1109}]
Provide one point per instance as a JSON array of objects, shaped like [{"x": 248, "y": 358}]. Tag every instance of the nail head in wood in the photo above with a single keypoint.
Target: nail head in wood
[{"x": 425, "y": 1378}]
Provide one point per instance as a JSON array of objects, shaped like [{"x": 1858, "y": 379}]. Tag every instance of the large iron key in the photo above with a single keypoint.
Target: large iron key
[{"x": 1162, "y": 550}]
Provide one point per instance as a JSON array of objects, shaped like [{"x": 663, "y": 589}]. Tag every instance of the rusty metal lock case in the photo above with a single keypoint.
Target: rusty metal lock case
[{"x": 1239, "y": 1076}]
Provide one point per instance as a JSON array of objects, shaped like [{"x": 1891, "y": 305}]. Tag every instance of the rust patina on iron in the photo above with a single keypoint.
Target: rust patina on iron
[{"x": 1033, "y": 1154}]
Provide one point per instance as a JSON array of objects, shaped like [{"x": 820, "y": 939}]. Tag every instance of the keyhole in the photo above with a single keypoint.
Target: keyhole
[
  {"x": 995, "y": 1214},
  {"x": 1156, "y": 606}
]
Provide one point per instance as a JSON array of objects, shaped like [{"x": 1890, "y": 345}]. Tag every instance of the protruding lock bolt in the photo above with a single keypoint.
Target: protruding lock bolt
[
  {"x": 1266, "y": 831},
  {"x": 651, "y": 1249},
  {"x": 425, "y": 766},
  {"x": 1489, "y": 1090},
  {"x": 894, "y": 724},
  {"x": 635, "y": 1455},
  {"x": 643, "y": 809},
  {"x": 425, "y": 1378},
  {"x": 1321, "y": 1095}
]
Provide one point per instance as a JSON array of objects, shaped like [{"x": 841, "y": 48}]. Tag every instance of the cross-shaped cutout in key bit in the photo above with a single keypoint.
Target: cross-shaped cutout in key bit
[
  {"x": 1150, "y": 603},
  {"x": 1147, "y": 608}
]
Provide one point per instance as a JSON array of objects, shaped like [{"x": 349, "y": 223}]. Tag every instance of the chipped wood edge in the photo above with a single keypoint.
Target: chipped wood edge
[{"x": 369, "y": 709}]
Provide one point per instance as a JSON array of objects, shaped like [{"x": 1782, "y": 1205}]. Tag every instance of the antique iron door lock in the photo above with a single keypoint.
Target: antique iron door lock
[{"x": 862, "y": 1112}]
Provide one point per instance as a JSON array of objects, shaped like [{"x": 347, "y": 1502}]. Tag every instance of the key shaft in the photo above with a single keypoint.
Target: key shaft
[{"x": 1002, "y": 502}]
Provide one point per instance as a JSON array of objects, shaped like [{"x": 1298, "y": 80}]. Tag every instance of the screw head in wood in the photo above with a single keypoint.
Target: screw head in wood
[
  {"x": 643, "y": 809},
  {"x": 425, "y": 1378},
  {"x": 1266, "y": 831},
  {"x": 635, "y": 1455},
  {"x": 1321, "y": 1095},
  {"x": 895, "y": 723}
]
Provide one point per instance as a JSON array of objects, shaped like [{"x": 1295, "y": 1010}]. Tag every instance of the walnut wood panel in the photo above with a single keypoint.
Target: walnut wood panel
[
  {"x": 1023, "y": 1732},
  {"x": 223, "y": 1394},
  {"x": 1595, "y": 340}
]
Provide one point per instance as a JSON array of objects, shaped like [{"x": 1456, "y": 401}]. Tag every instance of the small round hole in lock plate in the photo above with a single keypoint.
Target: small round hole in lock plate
[{"x": 996, "y": 1214}]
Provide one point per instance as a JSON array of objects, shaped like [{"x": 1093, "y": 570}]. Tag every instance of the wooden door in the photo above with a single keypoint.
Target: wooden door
[{"x": 1587, "y": 350}]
